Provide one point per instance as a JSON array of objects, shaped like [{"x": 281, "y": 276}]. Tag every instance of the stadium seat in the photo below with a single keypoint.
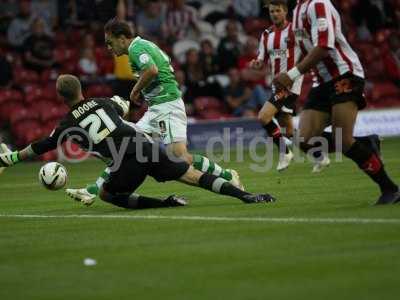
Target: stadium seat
[
  {"x": 180, "y": 48},
  {"x": 384, "y": 90},
  {"x": 22, "y": 114},
  {"x": 209, "y": 8},
  {"x": 212, "y": 38},
  {"x": 8, "y": 108},
  {"x": 255, "y": 27},
  {"x": 24, "y": 76},
  {"x": 98, "y": 90},
  {"x": 7, "y": 95},
  {"x": 205, "y": 27}
]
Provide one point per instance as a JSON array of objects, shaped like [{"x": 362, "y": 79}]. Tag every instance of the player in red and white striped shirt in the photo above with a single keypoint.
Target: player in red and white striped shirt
[
  {"x": 339, "y": 94},
  {"x": 277, "y": 48},
  {"x": 180, "y": 18}
]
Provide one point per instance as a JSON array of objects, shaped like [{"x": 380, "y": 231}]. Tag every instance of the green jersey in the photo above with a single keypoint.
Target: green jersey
[{"x": 163, "y": 88}]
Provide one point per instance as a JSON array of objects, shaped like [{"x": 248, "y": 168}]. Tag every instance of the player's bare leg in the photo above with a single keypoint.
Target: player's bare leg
[
  {"x": 203, "y": 164},
  {"x": 344, "y": 117},
  {"x": 312, "y": 124},
  {"x": 265, "y": 117},
  {"x": 221, "y": 186}
]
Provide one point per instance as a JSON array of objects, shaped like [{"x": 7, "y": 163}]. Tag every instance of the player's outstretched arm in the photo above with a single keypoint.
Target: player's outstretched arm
[
  {"x": 11, "y": 158},
  {"x": 146, "y": 77},
  {"x": 32, "y": 151}
]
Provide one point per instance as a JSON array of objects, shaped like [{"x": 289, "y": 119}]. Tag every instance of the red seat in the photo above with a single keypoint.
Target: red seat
[
  {"x": 207, "y": 103},
  {"x": 33, "y": 93},
  {"x": 10, "y": 95},
  {"x": 384, "y": 90},
  {"x": 23, "y": 114},
  {"x": 98, "y": 90},
  {"x": 24, "y": 76},
  {"x": 9, "y": 108}
]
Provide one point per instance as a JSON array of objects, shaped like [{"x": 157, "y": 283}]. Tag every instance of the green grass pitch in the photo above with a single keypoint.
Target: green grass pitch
[{"x": 254, "y": 254}]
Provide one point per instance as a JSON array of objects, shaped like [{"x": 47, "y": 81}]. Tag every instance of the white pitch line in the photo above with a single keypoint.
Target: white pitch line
[{"x": 287, "y": 220}]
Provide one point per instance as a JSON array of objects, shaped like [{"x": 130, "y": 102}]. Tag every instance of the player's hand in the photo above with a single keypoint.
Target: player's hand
[
  {"x": 283, "y": 81},
  {"x": 122, "y": 103},
  {"x": 8, "y": 159},
  {"x": 256, "y": 64}
]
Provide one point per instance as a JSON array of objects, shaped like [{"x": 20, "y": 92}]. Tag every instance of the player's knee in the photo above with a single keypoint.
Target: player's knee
[{"x": 192, "y": 176}]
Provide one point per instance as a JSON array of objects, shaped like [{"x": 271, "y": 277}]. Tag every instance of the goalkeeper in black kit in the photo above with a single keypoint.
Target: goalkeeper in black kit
[{"x": 98, "y": 127}]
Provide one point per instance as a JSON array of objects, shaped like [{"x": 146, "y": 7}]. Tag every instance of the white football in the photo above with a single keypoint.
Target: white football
[{"x": 53, "y": 176}]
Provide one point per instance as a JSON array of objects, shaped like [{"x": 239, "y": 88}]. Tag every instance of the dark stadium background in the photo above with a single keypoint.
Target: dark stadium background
[{"x": 40, "y": 39}]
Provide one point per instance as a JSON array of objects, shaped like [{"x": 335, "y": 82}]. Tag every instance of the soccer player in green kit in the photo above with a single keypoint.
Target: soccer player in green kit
[{"x": 166, "y": 115}]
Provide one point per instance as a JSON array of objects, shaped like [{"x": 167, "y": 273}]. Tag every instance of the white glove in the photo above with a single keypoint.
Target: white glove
[{"x": 122, "y": 103}]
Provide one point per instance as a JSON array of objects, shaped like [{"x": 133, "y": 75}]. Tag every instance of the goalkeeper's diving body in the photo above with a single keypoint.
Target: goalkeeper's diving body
[
  {"x": 166, "y": 116},
  {"x": 98, "y": 127}
]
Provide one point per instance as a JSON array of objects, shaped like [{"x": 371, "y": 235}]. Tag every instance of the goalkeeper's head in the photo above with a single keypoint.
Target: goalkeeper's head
[{"x": 69, "y": 88}]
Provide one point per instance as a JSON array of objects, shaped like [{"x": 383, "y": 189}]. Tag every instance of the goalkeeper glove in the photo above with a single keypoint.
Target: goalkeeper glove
[
  {"x": 122, "y": 103},
  {"x": 9, "y": 159}
]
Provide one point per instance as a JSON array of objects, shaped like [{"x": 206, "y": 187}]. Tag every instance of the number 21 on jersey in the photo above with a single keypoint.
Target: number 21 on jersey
[{"x": 95, "y": 122}]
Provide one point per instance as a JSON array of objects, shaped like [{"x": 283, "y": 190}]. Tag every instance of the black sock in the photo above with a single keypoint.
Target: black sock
[
  {"x": 370, "y": 163},
  {"x": 220, "y": 186},
  {"x": 135, "y": 201},
  {"x": 366, "y": 140},
  {"x": 146, "y": 202},
  {"x": 273, "y": 131}
]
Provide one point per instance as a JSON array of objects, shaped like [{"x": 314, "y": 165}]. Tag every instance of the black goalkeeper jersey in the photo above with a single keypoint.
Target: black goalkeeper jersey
[{"x": 96, "y": 125}]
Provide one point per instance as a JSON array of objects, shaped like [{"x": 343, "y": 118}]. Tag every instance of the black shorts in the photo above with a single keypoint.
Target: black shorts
[
  {"x": 133, "y": 170},
  {"x": 284, "y": 104},
  {"x": 345, "y": 88}
]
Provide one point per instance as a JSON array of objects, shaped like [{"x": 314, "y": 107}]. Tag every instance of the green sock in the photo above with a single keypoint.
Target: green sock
[
  {"x": 203, "y": 164},
  {"x": 95, "y": 187}
]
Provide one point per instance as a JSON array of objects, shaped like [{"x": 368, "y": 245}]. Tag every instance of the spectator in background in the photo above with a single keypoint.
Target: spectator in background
[
  {"x": 38, "y": 48},
  {"x": 150, "y": 22},
  {"x": 208, "y": 59},
  {"x": 87, "y": 65},
  {"x": 246, "y": 8},
  {"x": 46, "y": 10},
  {"x": 391, "y": 60},
  {"x": 180, "y": 19},
  {"x": 250, "y": 75},
  {"x": 181, "y": 80},
  {"x": 229, "y": 48},
  {"x": 237, "y": 95},
  {"x": 196, "y": 80},
  {"x": 194, "y": 75},
  {"x": 19, "y": 28}
]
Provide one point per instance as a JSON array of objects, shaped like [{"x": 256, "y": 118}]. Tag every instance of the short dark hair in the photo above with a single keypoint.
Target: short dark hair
[
  {"x": 69, "y": 87},
  {"x": 277, "y": 2},
  {"x": 118, "y": 28}
]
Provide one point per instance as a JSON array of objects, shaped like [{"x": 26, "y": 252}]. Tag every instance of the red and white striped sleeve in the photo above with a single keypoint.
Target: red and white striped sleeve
[
  {"x": 322, "y": 25},
  {"x": 262, "y": 51}
]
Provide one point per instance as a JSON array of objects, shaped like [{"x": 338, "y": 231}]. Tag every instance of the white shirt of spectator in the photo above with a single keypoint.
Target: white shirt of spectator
[
  {"x": 318, "y": 23},
  {"x": 278, "y": 48}
]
